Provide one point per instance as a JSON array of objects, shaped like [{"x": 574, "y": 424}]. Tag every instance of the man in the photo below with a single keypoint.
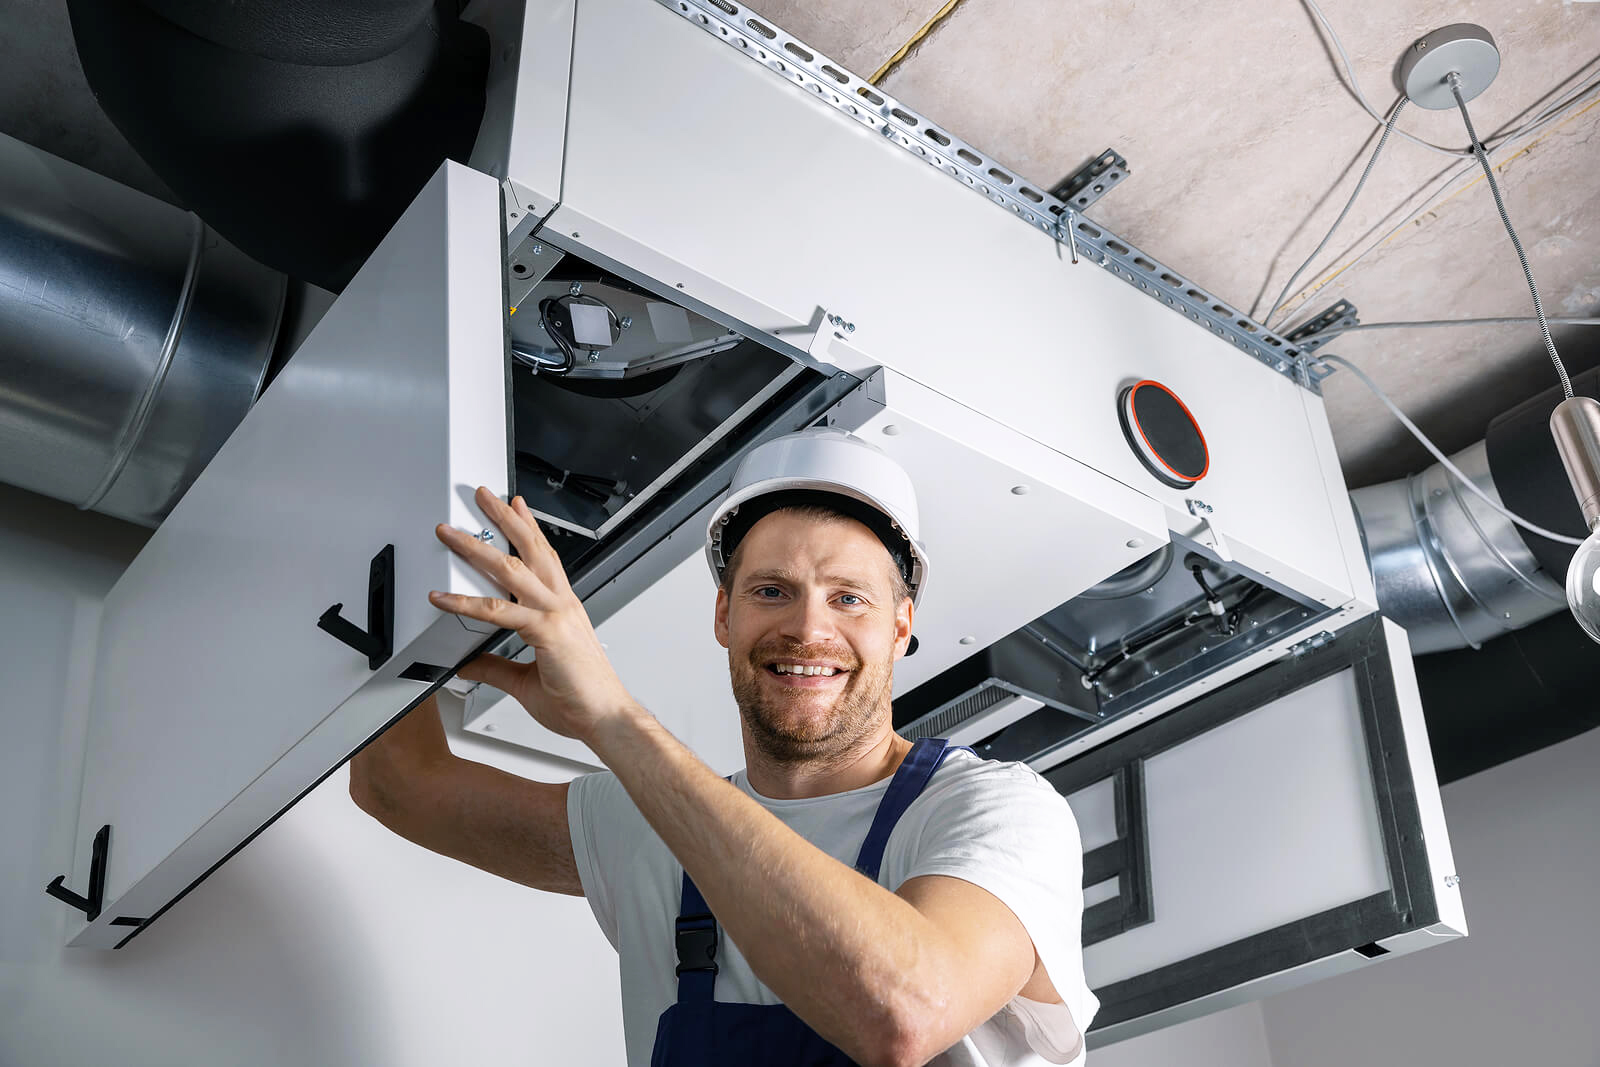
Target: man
[{"x": 849, "y": 897}]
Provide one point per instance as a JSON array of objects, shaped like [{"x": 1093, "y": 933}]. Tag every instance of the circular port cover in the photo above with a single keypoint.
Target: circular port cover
[{"x": 1163, "y": 434}]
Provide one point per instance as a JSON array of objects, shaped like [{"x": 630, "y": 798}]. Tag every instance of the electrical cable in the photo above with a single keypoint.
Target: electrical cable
[
  {"x": 1440, "y": 456},
  {"x": 1388, "y": 128},
  {"x": 1424, "y": 324},
  {"x": 1450, "y": 176},
  {"x": 1355, "y": 87},
  {"x": 1527, "y": 272}
]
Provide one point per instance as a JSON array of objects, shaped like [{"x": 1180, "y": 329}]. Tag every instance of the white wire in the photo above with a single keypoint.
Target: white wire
[
  {"x": 1440, "y": 456},
  {"x": 1355, "y": 86},
  {"x": 1453, "y": 175},
  {"x": 1424, "y": 324},
  {"x": 1388, "y": 128}
]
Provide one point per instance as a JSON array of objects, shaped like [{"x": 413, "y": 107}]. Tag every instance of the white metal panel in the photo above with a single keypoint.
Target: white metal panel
[
  {"x": 1435, "y": 837},
  {"x": 217, "y": 699},
  {"x": 525, "y": 99},
  {"x": 1287, "y": 841},
  {"x": 998, "y": 559},
  {"x": 1252, "y": 825},
  {"x": 767, "y": 205}
]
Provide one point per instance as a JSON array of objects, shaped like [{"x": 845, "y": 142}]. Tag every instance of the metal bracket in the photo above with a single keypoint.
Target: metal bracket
[
  {"x": 1339, "y": 315},
  {"x": 833, "y": 86},
  {"x": 376, "y": 642},
  {"x": 1315, "y": 641},
  {"x": 529, "y": 263},
  {"x": 89, "y": 905},
  {"x": 1090, "y": 182}
]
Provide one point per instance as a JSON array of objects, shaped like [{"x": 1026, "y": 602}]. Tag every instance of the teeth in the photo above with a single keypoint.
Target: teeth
[{"x": 796, "y": 668}]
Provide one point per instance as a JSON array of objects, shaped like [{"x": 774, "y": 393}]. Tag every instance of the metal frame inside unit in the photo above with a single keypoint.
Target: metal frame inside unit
[
  {"x": 832, "y": 83},
  {"x": 1409, "y": 904},
  {"x": 1127, "y": 859},
  {"x": 1150, "y": 635}
]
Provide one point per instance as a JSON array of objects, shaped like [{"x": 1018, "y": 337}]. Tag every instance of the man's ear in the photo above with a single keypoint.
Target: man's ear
[
  {"x": 902, "y": 627},
  {"x": 720, "y": 623}
]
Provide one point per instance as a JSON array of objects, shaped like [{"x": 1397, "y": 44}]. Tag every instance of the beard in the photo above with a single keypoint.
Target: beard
[{"x": 789, "y": 726}]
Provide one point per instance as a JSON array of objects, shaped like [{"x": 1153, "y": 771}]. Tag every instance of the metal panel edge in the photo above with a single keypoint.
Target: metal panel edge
[
  {"x": 523, "y": 135},
  {"x": 1405, "y": 791}
]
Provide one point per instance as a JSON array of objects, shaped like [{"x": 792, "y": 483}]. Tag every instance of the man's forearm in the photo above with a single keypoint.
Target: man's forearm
[{"x": 855, "y": 961}]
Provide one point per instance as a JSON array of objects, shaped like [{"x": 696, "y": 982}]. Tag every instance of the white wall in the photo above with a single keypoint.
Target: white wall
[
  {"x": 327, "y": 940},
  {"x": 1524, "y": 987}
]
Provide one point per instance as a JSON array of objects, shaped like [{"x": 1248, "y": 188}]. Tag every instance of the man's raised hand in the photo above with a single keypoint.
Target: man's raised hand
[{"x": 570, "y": 687}]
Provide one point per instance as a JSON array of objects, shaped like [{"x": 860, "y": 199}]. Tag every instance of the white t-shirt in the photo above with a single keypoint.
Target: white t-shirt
[{"x": 997, "y": 825}]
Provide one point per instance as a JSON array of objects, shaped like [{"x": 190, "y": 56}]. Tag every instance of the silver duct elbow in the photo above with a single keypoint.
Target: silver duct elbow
[{"x": 1449, "y": 569}]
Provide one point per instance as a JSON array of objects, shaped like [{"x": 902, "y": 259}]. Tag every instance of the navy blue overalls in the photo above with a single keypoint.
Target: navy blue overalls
[{"x": 699, "y": 1031}]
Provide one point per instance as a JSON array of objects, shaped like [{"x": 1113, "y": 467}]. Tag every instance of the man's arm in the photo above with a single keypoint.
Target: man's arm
[
  {"x": 889, "y": 978},
  {"x": 410, "y": 781}
]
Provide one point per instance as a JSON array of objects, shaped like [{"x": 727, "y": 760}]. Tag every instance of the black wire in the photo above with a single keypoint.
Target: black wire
[{"x": 570, "y": 358}]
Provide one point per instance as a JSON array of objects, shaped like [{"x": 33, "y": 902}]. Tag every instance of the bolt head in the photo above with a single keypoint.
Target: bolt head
[
  {"x": 574, "y": 289},
  {"x": 626, "y": 321},
  {"x": 538, "y": 250}
]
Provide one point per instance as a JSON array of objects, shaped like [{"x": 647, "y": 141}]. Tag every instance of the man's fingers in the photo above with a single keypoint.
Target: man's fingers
[
  {"x": 502, "y": 614},
  {"x": 508, "y": 572},
  {"x": 493, "y": 670},
  {"x": 517, "y": 521}
]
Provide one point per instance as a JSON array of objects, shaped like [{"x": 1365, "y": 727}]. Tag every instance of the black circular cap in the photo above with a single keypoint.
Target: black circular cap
[{"x": 1163, "y": 434}]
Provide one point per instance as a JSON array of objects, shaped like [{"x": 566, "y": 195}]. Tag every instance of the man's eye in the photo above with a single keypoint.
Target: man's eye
[
  {"x": 773, "y": 590},
  {"x": 850, "y": 600}
]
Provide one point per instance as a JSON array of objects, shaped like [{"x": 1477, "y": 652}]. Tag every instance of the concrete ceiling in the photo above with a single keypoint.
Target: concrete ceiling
[{"x": 1243, "y": 144}]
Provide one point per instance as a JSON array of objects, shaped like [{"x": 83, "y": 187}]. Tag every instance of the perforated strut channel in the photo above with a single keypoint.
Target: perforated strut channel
[{"x": 835, "y": 86}]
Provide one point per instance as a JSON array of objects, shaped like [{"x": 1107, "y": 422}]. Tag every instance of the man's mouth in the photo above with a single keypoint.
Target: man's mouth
[{"x": 799, "y": 672}]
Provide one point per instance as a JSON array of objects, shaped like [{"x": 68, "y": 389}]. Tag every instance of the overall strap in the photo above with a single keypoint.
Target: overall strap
[
  {"x": 908, "y": 783},
  {"x": 696, "y": 932}
]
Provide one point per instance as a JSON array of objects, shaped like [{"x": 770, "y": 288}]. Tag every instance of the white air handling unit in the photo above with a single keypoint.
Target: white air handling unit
[{"x": 1150, "y": 583}]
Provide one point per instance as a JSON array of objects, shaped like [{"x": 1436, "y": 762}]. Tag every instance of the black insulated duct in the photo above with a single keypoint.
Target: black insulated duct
[{"x": 298, "y": 129}]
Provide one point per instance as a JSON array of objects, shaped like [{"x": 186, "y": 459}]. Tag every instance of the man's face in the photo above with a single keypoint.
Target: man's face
[{"x": 811, "y": 592}]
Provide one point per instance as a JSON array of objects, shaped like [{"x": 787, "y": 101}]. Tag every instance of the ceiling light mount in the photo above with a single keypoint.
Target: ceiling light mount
[{"x": 1463, "y": 49}]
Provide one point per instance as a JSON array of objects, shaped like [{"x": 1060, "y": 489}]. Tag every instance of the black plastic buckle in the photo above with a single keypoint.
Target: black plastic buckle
[{"x": 697, "y": 944}]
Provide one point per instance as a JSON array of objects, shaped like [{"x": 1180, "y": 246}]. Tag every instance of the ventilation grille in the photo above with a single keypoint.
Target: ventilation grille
[{"x": 941, "y": 722}]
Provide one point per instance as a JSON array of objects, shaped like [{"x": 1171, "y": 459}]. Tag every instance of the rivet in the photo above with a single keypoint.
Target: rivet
[
  {"x": 1019, "y": 490},
  {"x": 891, "y": 430},
  {"x": 1136, "y": 542},
  {"x": 969, "y": 640}
]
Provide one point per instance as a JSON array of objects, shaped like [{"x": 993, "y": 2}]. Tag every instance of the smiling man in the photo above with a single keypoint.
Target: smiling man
[{"x": 849, "y": 897}]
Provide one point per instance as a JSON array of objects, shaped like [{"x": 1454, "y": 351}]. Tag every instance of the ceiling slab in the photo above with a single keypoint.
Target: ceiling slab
[
  {"x": 861, "y": 34},
  {"x": 1244, "y": 145}
]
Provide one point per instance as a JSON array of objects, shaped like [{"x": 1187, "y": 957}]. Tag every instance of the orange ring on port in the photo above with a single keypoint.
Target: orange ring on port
[{"x": 1133, "y": 417}]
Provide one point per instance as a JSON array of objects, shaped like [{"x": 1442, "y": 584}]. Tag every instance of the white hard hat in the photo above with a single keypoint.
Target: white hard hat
[{"x": 823, "y": 466}]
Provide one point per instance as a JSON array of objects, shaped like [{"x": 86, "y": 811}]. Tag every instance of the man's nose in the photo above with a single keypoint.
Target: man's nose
[{"x": 809, "y": 619}]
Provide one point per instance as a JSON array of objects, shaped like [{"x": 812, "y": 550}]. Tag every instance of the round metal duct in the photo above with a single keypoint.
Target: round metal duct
[
  {"x": 133, "y": 339},
  {"x": 1447, "y": 568}
]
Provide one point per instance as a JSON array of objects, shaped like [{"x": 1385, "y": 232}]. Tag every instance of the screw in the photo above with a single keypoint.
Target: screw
[
  {"x": 1451, "y": 881},
  {"x": 1422, "y": 46},
  {"x": 627, "y": 321},
  {"x": 538, "y": 250},
  {"x": 484, "y": 535},
  {"x": 594, "y": 357},
  {"x": 574, "y": 289},
  {"x": 1197, "y": 506}
]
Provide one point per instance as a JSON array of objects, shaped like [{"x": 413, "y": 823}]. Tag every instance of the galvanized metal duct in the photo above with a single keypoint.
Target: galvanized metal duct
[
  {"x": 1449, "y": 569},
  {"x": 133, "y": 339}
]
